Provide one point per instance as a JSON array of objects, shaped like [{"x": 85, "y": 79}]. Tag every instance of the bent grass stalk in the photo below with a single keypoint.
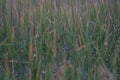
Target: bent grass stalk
[{"x": 76, "y": 40}]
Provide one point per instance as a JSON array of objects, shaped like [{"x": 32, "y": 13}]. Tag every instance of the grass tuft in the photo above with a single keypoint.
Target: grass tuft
[{"x": 59, "y": 40}]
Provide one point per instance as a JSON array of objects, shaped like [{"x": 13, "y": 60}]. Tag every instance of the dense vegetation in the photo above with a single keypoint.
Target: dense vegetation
[{"x": 59, "y": 40}]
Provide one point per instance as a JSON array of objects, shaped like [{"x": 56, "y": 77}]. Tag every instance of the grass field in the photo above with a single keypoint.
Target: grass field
[{"x": 59, "y": 40}]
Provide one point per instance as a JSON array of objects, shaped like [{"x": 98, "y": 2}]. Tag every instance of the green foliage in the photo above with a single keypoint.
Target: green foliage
[{"x": 59, "y": 40}]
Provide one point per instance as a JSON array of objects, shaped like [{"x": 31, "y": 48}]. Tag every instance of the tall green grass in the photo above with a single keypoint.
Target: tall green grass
[{"x": 59, "y": 40}]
